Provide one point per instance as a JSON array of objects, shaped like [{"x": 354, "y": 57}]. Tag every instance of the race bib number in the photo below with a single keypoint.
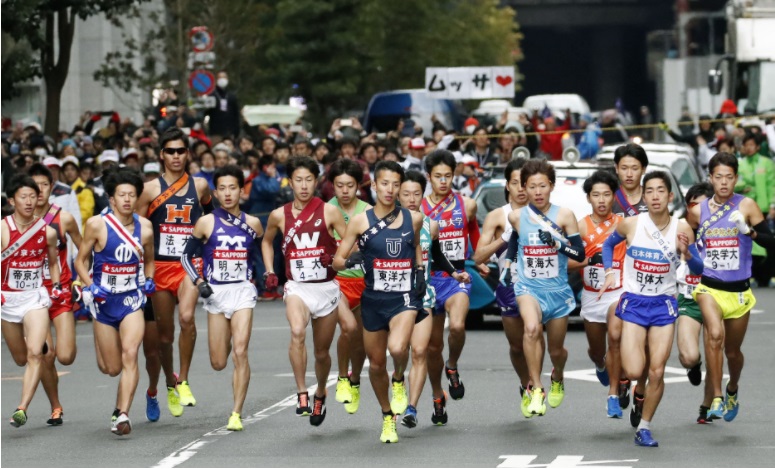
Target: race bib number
[
  {"x": 25, "y": 275},
  {"x": 540, "y": 262},
  {"x": 393, "y": 275},
  {"x": 230, "y": 266},
  {"x": 722, "y": 254},
  {"x": 650, "y": 276},
  {"x": 594, "y": 277},
  {"x": 119, "y": 278},
  {"x": 173, "y": 239},
  {"x": 453, "y": 244},
  {"x": 305, "y": 265},
  {"x": 689, "y": 284}
]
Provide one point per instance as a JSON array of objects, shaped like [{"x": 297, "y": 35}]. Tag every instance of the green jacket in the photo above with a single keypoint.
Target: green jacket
[{"x": 758, "y": 173}]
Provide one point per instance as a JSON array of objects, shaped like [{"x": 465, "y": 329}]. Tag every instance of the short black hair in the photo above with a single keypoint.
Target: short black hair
[
  {"x": 172, "y": 134},
  {"x": 537, "y": 166},
  {"x": 19, "y": 181},
  {"x": 752, "y": 136},
  {"x": 119, "y": 176},
  {"x": 659, "y": 175},
  {"x": 514, "y": 165},
  {"x": 298, "y": 162},
  {"x": 282, "y": 146},
  {"x": 39, "y": 169},
  {"x": 601, "y": 176},
  {"x": 229, "y": 170},
  {"x": 723, "y": 158},
  {"x": 365, "y": 146},
  {"x": 265, "y": 161},
  {"x": 701, "y": 188},
  {"x": 416, "y": 176},
  {"x": 345, "y": 166},
  {"x": 437, "y": 157},
  {"x": 330, "y": 158},
  {"x": 389, "y": 166},
  {"x": 631, "y": 149}
]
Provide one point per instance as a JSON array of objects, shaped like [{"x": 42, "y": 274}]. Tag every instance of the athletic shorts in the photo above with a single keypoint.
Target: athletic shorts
[
  {"x": 378, "y": 308},
  {"x": 647, "y": 311},
  {"x": 688, "y": 307},
  {"x": 320, "y": 298},
  {"x": 733, "y": 305},
  {"x": 230, "y": 298},
  {"x": 446, "y": 287},
  {"x": 17, "y": 304},
  {"x": 554, "y": 304},
  {"x": 148, "y": 313},
  {"x": 507, "y": 302},
  {"x": 594, "y": 310},
  {"x": 170, "y": 274},
  {"x": 63, "y": 305},
  {"x": 116, "y": 307},
  {"x": 352, "y": 288},
  {"x": 429, "y": 300}
]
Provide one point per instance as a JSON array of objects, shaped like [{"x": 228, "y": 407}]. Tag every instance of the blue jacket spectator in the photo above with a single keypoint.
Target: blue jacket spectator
[{"x": 263, "y": 193}]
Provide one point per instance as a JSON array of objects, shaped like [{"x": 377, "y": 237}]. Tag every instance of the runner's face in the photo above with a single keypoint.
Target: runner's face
[
  {"x": 387, "y": 186},
  {"x": 517, "y": 193},
  {"x": 539, "y": 188},
  {"x": 175, "y": 162},
  {"x": 630, "y": 173},
  {"x": 124, "y": 199},
  {"x": 45, "y": 189},
  {"x": 441, "y": 179},
  {"x": 601, "y": 197},
  {"x": 657, "y": 196},
  {"x": 24, "y": 201},
  {"x": 303, "y": 184},
  {"x": 411, "y": 195},
  {"x": 345, "y": 187},
  {"x": 228, "y": 191},
  {"x": 723, "y": 179}
]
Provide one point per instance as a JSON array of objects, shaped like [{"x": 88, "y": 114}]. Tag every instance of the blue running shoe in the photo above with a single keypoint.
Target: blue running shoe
[
  {"x": 643, "y": 438},
  {"x": 731, "y": 406},
  {"x": 614, "y": 410},
  {"x": 410, "y": 417},
  {"x": 152, "y": 411},
  {"x": 602, "y": 376},
  {"x": 716, "y": 409}
]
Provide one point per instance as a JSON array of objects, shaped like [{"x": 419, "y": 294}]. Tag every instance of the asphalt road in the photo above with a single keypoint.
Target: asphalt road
[{"x": 486, "y": 428}]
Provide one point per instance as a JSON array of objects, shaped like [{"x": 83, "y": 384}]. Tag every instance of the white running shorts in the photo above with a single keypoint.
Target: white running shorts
[
  {"x": 231, "y": 297},
  {"x": 594, "y": 310},
  {"x": 18, "y": 304},
  {"x": 320, "y": 298}
]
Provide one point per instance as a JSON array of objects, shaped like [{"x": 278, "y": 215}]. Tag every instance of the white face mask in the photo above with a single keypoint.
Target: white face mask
[
  {"x": 222, "y": 82},
  {"x": 246, "y": 173},
  {"x": 470, "y": 129},
  {"x": 41, "y": 152}
]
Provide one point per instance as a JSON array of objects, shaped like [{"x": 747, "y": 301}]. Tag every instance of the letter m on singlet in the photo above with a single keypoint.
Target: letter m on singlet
[
  {"x": 178, "y": 215},
  {"x": 231, "y": 242},
  {"x": 305, "y": 241}
]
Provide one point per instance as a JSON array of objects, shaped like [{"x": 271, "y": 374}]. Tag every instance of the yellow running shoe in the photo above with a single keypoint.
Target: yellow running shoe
[
  {"x": 186, "y": 398},
  {"x": 389, "y": 434},
  {"x": 343, "y": 393},
  {"x": 355, "y": 399},
  {"x": 525, "y": 403},
  {"x": 537, "y": 406},
  {"x": 399, "y": 402},
  {"x": 173, "y": 402},
  {"x": 235, "y": 423},
  {"x": 556, "y": 393}
]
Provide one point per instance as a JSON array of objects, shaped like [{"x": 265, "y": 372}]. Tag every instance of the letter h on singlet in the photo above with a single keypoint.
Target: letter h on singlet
[{"x": 174, "y": 214}]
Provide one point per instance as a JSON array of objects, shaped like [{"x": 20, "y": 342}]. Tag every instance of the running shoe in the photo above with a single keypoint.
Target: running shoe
[
  {"x": 389, "y": 434},
  {"x": 614, "y": 409},
  {"x": 173, "y": 402},
  {"x": 186, "y": 397},
  {"x": 152, "y": 411},
  {"x": 637, "y": 411},
  {"x": 624, "y": 393},
  {"x": 456, "y": 388},
  {"x": 235, "y": 422},
  {"x": 703, "y": 417},
  {"x": 19, "y": 418},
  {"x": 731, "y": 406},
  {"x": 602, "y": 376},
  {"x": 122, "y": 425},
  {"x": 439, "y": 416},
  {"x": 695, "y": 374},
  {"x": 643, "y": 438},
  {"x": 56, "y": 417},
  {"x": 556, "y": 393},
  {"x": 537, "y": 405},
  {"x": 410, "y": 418},
  {"x": 114, "y": 416},
  {"x": 400, "y": 401},
  {"x": 302, "y": 404},
  {"x": 318, "y": 411},
  {"x": 343, "y": 393},
  {"x": 355, "y": 399},
  {"x": 525, "y": 403},
  {"x": 716, "y": 408}
]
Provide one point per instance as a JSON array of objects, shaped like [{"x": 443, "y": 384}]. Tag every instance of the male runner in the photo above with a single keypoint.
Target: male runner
[
  {"x": 26, "y": 243},
  {"x": 496, "y": 233},
  {"x": 410, "y": 196},
  {"x": 61, "y": 311},
  {"x": 307, "y": 225},
  {"x": 727, "y": 224},
  {"x": 541, "y": 232},
  {"x": 345, "y": 175},
  {"x": 456, "y": 216},
  {"x": 121, "y": 244},
  {"x": 648, "y": 308},
  {"x": 229, "y": 239},
  {"x": 173, "y": 203},
  {"x": 390, "y": 252}
]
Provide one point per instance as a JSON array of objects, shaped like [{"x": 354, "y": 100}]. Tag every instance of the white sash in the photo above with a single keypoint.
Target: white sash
[
  {"x": 653, "y": 232},
  {"x": 112, "y": 222},
  {"x": 540, "y": 221},
  {"x": 26, "y": 236}
]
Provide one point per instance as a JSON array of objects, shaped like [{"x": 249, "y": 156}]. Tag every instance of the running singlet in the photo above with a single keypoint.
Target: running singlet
[
  {"x": 425, "y": 246},
  {"x": 647, "y": 271},
  {"x": 388, "y": 257},
  {"x": 538, "y": 265},
  {"x": 623, "y": 208},
  {"x": 594, "y": 275},
  {"x": 226, "y": 253},
  {"x": 360, "y": 207},
  {"x": 687, "y": 282},
  {"x": 23, "y": 271},
  {"x": 118, "y": 268},
  {"x": 65, "y": 274},
  {"x": 173, "y": 222},
  {"x": 453, "y": 228},
  {"x": 726, "y": 252},
  {"x": 310, "y": 239}
]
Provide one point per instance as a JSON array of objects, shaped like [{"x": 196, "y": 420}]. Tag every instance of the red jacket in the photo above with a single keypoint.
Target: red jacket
[{"x": 551, "y": 143}]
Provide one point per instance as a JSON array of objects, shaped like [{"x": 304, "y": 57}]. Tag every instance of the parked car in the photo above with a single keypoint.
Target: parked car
[
  {"x": 491, "y": 110},
  {"x": 387, "y": 108},
  {"x": 557, "y": 103}
]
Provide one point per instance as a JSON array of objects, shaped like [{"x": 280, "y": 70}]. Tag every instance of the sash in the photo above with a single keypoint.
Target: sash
[
  {"x": 625, "y": 204},
  {"x": 303, "y": 216},
  {"x": 173, "y": 189},
  {"x": 239, "y": 222},
  {"x": 653, "y": 232},
  {"x": 441, "y": 206},
  {"x": 546, "y": 223},
  {"x": 715, "y": 218},
  {"x": 111, "y": 221},
  {"x": 26, "y": 236},
  {"x": 605, "y": 235},
  {"x": 53, "y": 211},
  {"x": 380, "y": 225}
]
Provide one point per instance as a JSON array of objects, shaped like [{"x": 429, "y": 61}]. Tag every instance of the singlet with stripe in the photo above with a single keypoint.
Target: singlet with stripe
[
  {"x": 539, "y": 266},
  {"x": 453, "y": 231},
  {"x": 173, "y": 222},
  {"x": 618, "y": 209},
  {"x": 226, "y": 254},
  {"x": 593, "y": 276},
  {"x": 726, "y": 252},
  {"x": 118, "y": 268},
  {"x": 360, "y": 207},
  {"x": 310, "y": 239},
  {"x": 23, "y": 271},
  {"x": 65, "y": 275},
  {"x": 647, "y": 271},
  {"x": 388, "y": 256}
]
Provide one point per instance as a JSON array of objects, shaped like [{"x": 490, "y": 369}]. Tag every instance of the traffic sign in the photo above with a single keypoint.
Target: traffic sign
[
  {"x": 201, "y": 39},
  {"x": 202, "y": 82}
]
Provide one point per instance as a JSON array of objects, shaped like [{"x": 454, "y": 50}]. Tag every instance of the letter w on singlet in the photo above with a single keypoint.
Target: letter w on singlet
[{"x": 305, "y": 241}]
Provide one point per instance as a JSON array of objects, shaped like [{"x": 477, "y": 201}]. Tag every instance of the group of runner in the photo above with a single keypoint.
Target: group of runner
[{"x": 389, "y": 275}]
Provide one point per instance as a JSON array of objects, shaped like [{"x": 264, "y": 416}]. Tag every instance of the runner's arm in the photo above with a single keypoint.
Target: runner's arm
[
  {"x": 488, "y": 243},
  {"x": 611, "y": 242},
  {"x": 148, "y": 253},
  {"x": 473, "y": 224},
  {"x": 351, "y": 233},
  {"x": 83, "y": 259},
  {"x": 417, "y": 218},
  {"x": 194, "y": 249},
  {"x": 760, "y": 231},
  {"x": 53, "y": 254},
  {"x": 206, "y": 197},
  {"x": 572, "y": 263},
  {"x": 71, "y": 228},
  {"x": 335, "y": 217},
  {"x": 267, "y": 248}
]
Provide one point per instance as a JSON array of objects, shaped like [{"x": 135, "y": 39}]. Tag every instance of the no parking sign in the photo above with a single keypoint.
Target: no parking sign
[{"x": 201, "y": 82}]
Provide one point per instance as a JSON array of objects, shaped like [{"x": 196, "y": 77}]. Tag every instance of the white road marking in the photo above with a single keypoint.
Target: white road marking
[
  {"x": 589, "y": 375},
  {"x": 524, "y": 460}
]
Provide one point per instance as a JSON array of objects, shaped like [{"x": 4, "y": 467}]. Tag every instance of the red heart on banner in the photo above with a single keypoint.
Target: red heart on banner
[{"x": 503, "y": 80}]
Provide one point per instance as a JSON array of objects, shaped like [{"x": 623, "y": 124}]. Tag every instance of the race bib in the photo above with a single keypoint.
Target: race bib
[
  {"x": 119, "y": 278},
  {"x": 540, "y": 262},
  {"x": 25, "y": 275},
  {"x": 230, "y": 266},
  {"x": 594, "y": 277},
  {"x": 393, "y": 275},
  {"x": 305, "y": 265},
  {"x": 650, "y": 276},
  {"x": 722, "y": 254},
  {"x": 689, "y": 284},
  {"x": 173, "y": 239},
  {"x": 453, "y": 244}
]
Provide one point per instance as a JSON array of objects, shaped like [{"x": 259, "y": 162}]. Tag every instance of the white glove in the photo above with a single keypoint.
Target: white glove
[
  {"x": 739, "y": 219},
  {"x": 445, "y": 141},
  {"x": 507, "y": 233}
]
